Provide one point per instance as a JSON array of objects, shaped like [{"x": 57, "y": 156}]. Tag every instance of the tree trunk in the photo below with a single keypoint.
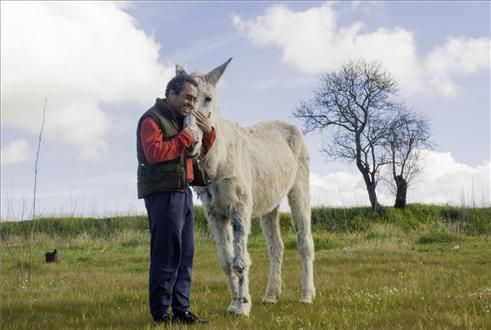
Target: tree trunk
[
  {"x": 372, "y": 195},
  {"x": 401, "y": 185}
]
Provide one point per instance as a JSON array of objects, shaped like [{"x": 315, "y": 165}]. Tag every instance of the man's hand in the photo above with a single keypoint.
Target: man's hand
[{"x": 202, "y": 121}]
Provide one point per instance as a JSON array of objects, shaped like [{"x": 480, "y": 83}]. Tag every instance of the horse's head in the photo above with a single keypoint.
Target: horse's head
[{"x": 206, "y": 98}]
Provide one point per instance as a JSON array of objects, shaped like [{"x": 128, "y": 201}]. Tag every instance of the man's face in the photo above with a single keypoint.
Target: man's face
[{"x": 184, "y": 102}]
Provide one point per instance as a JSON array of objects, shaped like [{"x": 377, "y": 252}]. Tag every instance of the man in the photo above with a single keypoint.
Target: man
[{"x": 164, "y": 174}]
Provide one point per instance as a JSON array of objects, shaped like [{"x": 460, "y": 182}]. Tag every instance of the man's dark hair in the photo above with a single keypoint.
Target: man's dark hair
[{"x": 177, "y": 83}]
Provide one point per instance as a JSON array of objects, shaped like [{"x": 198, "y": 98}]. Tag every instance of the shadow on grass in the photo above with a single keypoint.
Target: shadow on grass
[
  {"x": 438, "y": 237},
  {"x": 77, "y": 314}
]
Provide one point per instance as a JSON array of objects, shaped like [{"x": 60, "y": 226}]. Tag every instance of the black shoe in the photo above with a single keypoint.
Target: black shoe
[
  {"x": 163, "y": 320},
  {"x": 188, "y": 318}
]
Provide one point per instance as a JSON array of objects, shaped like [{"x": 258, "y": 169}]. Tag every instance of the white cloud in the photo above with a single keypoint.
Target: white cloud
[
  {"x": 296, "y": 33},
  {"x": 458, "y": 56},
  {"x": 15, "y": 152},
  {"x": 80, "y": 55},
  {"x": 341, "y": 189},
  {"x": 368, "y": 7},
  {"x": 444, "y": 181},
  {"x": 312, "y": 41}
]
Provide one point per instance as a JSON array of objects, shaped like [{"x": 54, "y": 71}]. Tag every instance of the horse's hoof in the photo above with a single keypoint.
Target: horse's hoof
[
  {"x": 233, "y": 308},
  {"x": 270, "y": 300},
  {"x": 307, "y": 298},
  {"x": 306, "y": 301},
  {"x": 243, "y": 310}
]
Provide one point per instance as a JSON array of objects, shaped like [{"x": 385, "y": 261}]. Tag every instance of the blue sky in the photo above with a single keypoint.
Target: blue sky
[{"x": 103, "y": 64}]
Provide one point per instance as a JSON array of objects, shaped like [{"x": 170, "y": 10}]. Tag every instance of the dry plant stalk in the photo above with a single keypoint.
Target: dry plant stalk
[{"x": 35, "y": 187}]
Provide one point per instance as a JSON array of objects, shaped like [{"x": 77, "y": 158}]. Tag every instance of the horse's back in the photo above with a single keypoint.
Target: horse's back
[{"x": 278, "y": 134}]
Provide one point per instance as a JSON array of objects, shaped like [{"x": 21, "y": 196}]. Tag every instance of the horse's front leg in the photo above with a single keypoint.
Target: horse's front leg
[
  {"x": 241, "y": 222},
  {"x": 222, "y": 232}
]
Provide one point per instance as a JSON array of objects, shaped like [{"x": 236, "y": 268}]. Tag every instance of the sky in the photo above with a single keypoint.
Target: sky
[{"x": 100, "y": 65}]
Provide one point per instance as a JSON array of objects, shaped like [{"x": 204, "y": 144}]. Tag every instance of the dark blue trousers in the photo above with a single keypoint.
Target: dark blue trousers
[{"x": 171, "y": 220}]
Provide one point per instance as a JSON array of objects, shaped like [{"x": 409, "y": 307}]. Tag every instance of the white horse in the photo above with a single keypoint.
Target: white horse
[{"x": 251, "y": 170}]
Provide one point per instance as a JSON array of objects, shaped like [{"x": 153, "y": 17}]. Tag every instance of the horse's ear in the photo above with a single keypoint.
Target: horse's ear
[
  {"x": 214, "y": 75},
  {"x": 180, "y": 70}
]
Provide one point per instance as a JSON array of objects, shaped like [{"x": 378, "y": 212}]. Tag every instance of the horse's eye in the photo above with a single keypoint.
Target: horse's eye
[{"x": 207, "y": 99}]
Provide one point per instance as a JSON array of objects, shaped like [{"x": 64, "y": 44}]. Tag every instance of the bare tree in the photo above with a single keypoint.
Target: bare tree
[
  {"x": 407, "y": 133},
  {"x": 353, "y": 105}
]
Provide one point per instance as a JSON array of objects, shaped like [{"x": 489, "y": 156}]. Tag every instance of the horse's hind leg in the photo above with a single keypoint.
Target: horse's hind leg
[
  {"x": 299, "y": 200},
  {"x": 271, "y": 229}
]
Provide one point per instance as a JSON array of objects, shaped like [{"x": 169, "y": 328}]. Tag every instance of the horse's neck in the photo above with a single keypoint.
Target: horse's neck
[
  {"x": 221, "y": 126},
  {"x": 218, "y": 153}
]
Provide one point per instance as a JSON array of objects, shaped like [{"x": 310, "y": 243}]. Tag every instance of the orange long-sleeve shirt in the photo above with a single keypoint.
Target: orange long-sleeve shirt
[{"x": 157, "y": 150}]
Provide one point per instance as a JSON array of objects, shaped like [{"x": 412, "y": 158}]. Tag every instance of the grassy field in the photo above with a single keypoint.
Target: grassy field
[{"x": 425, "y": 268}]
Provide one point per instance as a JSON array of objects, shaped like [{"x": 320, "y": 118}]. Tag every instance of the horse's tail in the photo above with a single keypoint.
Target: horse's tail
[
  {"x": 298, "y": 146},
  {"x": 295, "y": 141}
]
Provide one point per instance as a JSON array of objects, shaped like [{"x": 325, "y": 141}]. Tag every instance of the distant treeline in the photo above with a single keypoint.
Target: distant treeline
[{"x": 470, "y": 221}]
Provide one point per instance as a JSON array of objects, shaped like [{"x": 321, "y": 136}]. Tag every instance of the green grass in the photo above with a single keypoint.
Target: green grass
[{"x": 429, "y": 274}]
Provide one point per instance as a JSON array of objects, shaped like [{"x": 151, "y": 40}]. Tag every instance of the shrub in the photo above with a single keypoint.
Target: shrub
[
  {"x": 479, "y": 223},
  {"x": 342, "y": 219},
  {"x": 469, "y": 221}
]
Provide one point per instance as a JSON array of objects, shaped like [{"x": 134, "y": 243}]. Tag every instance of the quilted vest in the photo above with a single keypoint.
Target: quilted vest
[{"x": 164, "y": 176}]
